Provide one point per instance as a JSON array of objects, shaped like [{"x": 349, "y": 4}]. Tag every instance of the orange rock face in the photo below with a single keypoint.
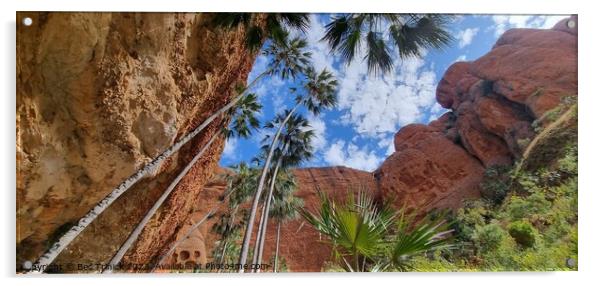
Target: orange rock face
[
  {"x": 301, "y": 246},
  {"x": 536, "y": 68},
  {"x": 493, "y": 101},
  {"x": 98, "y": 96},
  {"x": 131, "y": 84},
  {"x": 427, "y": 170}
]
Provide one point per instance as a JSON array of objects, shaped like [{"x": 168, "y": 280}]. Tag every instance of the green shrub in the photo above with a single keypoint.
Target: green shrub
[
  {"x": 489, "y": 237},
  {"x": 568, "y": 164},
  {"x": 473, "y": 214},
  {"x": 518, "y": 208},
  {"x": 496, "y": 183},
  {"x": 523, "y": 233}
]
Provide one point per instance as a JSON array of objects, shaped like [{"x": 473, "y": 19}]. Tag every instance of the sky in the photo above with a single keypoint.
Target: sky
[{"x": 358, "y": 133}]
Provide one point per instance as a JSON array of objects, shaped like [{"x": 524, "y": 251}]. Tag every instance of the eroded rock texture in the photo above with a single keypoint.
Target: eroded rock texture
[
  {"x": 98, "y": 96},
  {"x": 300, "y": 245},
  {"x": 493, "y": 103}
]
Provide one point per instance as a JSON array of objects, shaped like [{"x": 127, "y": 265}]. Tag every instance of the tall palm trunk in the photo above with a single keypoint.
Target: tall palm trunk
[
  {"x": 249, "y": 230},
  {"x": 221, "y": 258},
  {"x": 266, "y": 212},
  {"x": 258, "y": 236},
  {"x": 277, "y": 247},
  {"x": 138, "y": 230},
  {"x": 50, "y": 255}
]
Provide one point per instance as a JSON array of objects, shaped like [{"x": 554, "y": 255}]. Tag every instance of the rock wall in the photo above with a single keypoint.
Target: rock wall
[
  {"x": 301, "y": 246},
  {"x": 494, "y": 102},
  {"x": 98, "y": 96}
]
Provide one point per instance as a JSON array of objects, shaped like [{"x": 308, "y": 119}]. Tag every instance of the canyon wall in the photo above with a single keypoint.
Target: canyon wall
[
  {"x": 98, "y": 96},
  {"x": 101, "y": 94},
  {"x": 301, "y": 246},
  {"x": 496, "y": 104}
]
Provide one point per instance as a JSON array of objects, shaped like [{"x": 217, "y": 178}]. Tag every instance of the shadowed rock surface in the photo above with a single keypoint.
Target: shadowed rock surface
[{"x": 98, "y": 96}]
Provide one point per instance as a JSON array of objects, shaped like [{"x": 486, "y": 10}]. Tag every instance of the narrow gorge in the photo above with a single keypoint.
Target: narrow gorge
[{"x": 99, "y": 102}]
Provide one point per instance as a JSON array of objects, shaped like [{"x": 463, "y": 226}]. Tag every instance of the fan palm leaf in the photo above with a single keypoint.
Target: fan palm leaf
[{"x": 348, "y": 34}]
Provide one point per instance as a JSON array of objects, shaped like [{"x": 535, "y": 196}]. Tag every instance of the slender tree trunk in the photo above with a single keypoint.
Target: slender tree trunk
[
  {"x": 266, "y": 213},
  {"x": 221, "y": 258},
  {"x": 138, "y": 230},
  {"x": 277, "y": 247},
  {"x": 258, "y": 237},
  {"x": 249, "y": 230},
  {"x": 257, "y": 250},
  {"x": 50, "y": 255}
]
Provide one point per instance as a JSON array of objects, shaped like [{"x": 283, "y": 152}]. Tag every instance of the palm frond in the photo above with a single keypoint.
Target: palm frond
[
  {"x": 378, "y": 56},
  {"x": 410, "y": 33},
  {"x": 420, "y": 33}
]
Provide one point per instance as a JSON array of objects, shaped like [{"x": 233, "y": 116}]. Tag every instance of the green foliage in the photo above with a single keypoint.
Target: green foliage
[
  {"x": 365, "y": 236},
  {"x": 496, "y": 183},
  {"x": 534, "y": 228},
  {"x": 488, "y": 237},
  {"x": 409, "y": 34},
  {"x": 244, "y": 117},
  {"x": 523, "y": 233},
  {"x": 277, "y": 26},
  {"x": 519, "y": 207}
]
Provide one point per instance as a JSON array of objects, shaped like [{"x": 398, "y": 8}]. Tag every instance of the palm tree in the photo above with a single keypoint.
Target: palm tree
[
  {"x": 284, "y": 209},
  {"x": 243, "y": 122},
  {"x": 286, "y": 59},
  {"x": 347, "y": 34},
  {"x": 294, "y": 147},
  {"x": 285, "y": 206},
  {"x": 360, "y": 232},
  {"x": 415, "y": 237},
  {"x": 276, "y": 27},
  {"x": 320, "y": 94}
]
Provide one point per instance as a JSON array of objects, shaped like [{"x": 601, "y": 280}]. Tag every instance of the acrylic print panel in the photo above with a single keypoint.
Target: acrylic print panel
[{"x": 238, "y": 142}]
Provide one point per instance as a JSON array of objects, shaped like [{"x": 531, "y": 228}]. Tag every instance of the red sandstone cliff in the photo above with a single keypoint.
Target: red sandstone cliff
[
  {"x": 493, "y": 103},
  {"x": 91, "y": 111}
]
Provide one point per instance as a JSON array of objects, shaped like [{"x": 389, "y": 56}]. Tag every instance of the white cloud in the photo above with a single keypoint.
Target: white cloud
[
  {"x": 436, "y": 111},
  {"x": 320, "y": 50},
  {"x": 319, "y": 126},
  {"x": 350, "y": 155},
  {"x": 278, "y": 101},
  {"x": 230, "y": 148},
  {"x": 375, "y": 105},
  {"x": 387, "y": 142},
  {"x": 461, "y": 58},
  {"x": 505, "y": 22},
  {"x": 260, "y": 65},
  {"x": 465, "y": 36}
]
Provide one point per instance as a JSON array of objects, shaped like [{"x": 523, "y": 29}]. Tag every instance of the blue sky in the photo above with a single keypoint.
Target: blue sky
[{"x": 359, "y": 132}]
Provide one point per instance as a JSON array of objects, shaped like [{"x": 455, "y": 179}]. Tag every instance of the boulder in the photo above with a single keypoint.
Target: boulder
[{"x": 428, "y": 171}]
